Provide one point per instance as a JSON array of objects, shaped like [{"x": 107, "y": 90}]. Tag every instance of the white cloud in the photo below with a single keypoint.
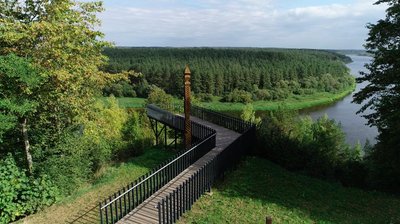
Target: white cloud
[{"x": 256, "y": 23}]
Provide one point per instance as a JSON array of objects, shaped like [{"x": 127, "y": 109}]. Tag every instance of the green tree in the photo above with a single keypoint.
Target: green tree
[
  {"x": 18, "y": 81},
  {"x": 158, "y": 97},
  {"x": 249, "y": 114},
  {"x": 382, "y": 94},
  {"x": 62, "y": 38}
]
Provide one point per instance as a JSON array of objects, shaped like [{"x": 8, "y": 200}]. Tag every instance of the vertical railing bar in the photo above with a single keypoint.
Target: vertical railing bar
[
  {"x": 116, "y": 207},
  {"x": 101, "y": 213},
  {"x": 163, "y": 210},
  {"x": 111, "y": 211}
]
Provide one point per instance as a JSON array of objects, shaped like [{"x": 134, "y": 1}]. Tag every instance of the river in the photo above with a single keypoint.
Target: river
[{"x": 344, "y": 111}]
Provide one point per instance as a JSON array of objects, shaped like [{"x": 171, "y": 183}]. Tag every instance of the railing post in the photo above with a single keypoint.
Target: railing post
[
  {"x": 101, "y": 213},
  {"x": 159, "y": 212}
]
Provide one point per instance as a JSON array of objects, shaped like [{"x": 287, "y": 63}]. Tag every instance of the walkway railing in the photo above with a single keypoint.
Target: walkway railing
[
  {"x": 128, "y": 198},
  {"x": 232, "y": 123},
  {"x": 185, "y": 195},
  {"x": 199, "y": 131}
]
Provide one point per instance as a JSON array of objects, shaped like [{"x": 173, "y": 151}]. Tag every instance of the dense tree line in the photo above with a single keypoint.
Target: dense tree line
[{"x": 268, "y": 74}]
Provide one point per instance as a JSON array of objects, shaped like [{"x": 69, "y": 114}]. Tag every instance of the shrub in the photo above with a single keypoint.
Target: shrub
[
  {"x": 137, "y": 134},
  {"x": 238, "y": 96},
  {"x": 263, "y": 94},
  {"x": 84, "y": 149},
  {"x": 119, "y": 89},
  {"x": 204, "y": 97},
  {"x": 159, "y": 97},
  {"x": 316, "y": 148},
  {"x": 21, "y": 195}
]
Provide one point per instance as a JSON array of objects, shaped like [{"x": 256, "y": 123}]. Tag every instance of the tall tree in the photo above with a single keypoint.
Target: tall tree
[
  {"x": 382, "y": 94},
  {"x": 61, "y": 37}
]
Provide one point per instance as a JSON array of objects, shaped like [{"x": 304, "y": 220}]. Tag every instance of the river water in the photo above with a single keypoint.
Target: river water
[{"x": 344, "y": 111}]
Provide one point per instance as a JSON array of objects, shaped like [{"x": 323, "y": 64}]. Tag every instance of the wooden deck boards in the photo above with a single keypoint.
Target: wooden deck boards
[{"x": 147, "y": 211}]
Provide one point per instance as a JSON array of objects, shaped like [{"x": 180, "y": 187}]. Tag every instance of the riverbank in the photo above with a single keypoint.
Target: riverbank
[{"x": 292, "y": 103}]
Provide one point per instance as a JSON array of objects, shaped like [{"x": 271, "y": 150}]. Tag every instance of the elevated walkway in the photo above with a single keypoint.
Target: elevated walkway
[
  {"x": 165, "y": 193},
  {"x": 147, "y": 212}
]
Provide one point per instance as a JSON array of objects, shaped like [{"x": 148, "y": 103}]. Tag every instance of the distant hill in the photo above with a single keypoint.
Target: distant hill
[{"x": 352, "y": 52}]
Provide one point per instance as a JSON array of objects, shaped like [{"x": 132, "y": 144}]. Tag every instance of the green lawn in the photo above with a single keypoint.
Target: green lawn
[
  {"x": 259, "y": 189},
  {"x": 292, "y": 103},
  {"x": 82, "y": 207}
]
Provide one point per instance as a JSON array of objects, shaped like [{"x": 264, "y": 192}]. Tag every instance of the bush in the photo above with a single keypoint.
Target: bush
[
  {"x": 119, "y": 89},
  {"x": 21, "y": 195},
  {"x": 110, "y": 133},
  {"x": 316, "y": 148},
  {"x": 83, "y": 150},
  {"x": 159, "y": 97},
  {"x": 263, "y": 94},
  {"x": 137, "y": 134},
  {"x": 71, "y": 162},
  {"x": 204, "y": 97},
  {"x": 238, "y": 96}
]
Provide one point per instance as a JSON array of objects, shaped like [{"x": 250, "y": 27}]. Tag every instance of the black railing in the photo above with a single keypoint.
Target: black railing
[
  {"x": 199, "y": 131},
  {"x": 232, "y": 123},
  {"x": 128, "y": 198},
  {"x": 185, "y": 195}
]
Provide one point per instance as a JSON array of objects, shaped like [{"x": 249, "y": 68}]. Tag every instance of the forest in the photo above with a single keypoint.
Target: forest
[
  {"x": 60, "y": 135},
  {"x": 235, "y": 74}
]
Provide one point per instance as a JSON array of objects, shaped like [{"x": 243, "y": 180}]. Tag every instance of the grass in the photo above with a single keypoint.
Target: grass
[
  {"x": 131, "y": 102},
  {"x": 292, "y": 103},
  {"x": 259, "y": 189},
  {"x": 82, "y": 207}
]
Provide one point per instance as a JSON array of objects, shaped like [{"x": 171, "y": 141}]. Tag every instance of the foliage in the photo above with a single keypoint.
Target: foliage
[
  {"x": 83, "y": 203},
  {"x": 60, "y": 37},
  {"x": 382, "y": 95},
  {"x": 291, "y": 103},
  {"x": 119, "y": 89},
  {"x": 259, "y": 188},
  {"x": 83, "y": 150},
  {"x": 158, "y": 97},
  {"x": 20, "y": 194},
  {"x": 111, "y": 133},
  {"x": 204, "y": 97},
  {"x": 248, "y": 114},
  {"x": 219, "y": 71},
  {"x": 316, "y": 148},
  {"x": 18, "y": 81},
  {"x": 132, "y": 85},
  {"x": 238, "y": 96},
  {"x": 137, "y": 134}
]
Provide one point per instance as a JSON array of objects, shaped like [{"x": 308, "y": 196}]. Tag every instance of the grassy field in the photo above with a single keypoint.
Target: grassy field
[
  {"x": 259, "y": 189},
  {"x": 292, "y": 103},
  {"x": 82, "y": 207}
]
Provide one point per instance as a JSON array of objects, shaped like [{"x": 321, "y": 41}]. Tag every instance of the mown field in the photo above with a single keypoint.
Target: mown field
[{"x": 259, "y": 189}]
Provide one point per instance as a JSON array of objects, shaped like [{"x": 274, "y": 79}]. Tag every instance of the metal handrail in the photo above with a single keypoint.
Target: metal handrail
[{"x": 127, "y": 191}]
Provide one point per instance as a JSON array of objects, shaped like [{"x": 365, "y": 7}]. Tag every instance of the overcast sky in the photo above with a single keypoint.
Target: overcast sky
[{"x": 325, "y": 24}]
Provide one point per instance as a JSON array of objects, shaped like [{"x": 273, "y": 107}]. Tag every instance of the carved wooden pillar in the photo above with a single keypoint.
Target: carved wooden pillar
[{"x": 188, "y": 129}]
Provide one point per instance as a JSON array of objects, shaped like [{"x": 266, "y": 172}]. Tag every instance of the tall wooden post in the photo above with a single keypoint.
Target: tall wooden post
[{"x": 188, "y": 129}]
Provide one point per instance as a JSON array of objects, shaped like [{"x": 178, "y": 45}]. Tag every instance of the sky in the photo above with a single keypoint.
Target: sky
[{"x": 324, "y": 24}]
